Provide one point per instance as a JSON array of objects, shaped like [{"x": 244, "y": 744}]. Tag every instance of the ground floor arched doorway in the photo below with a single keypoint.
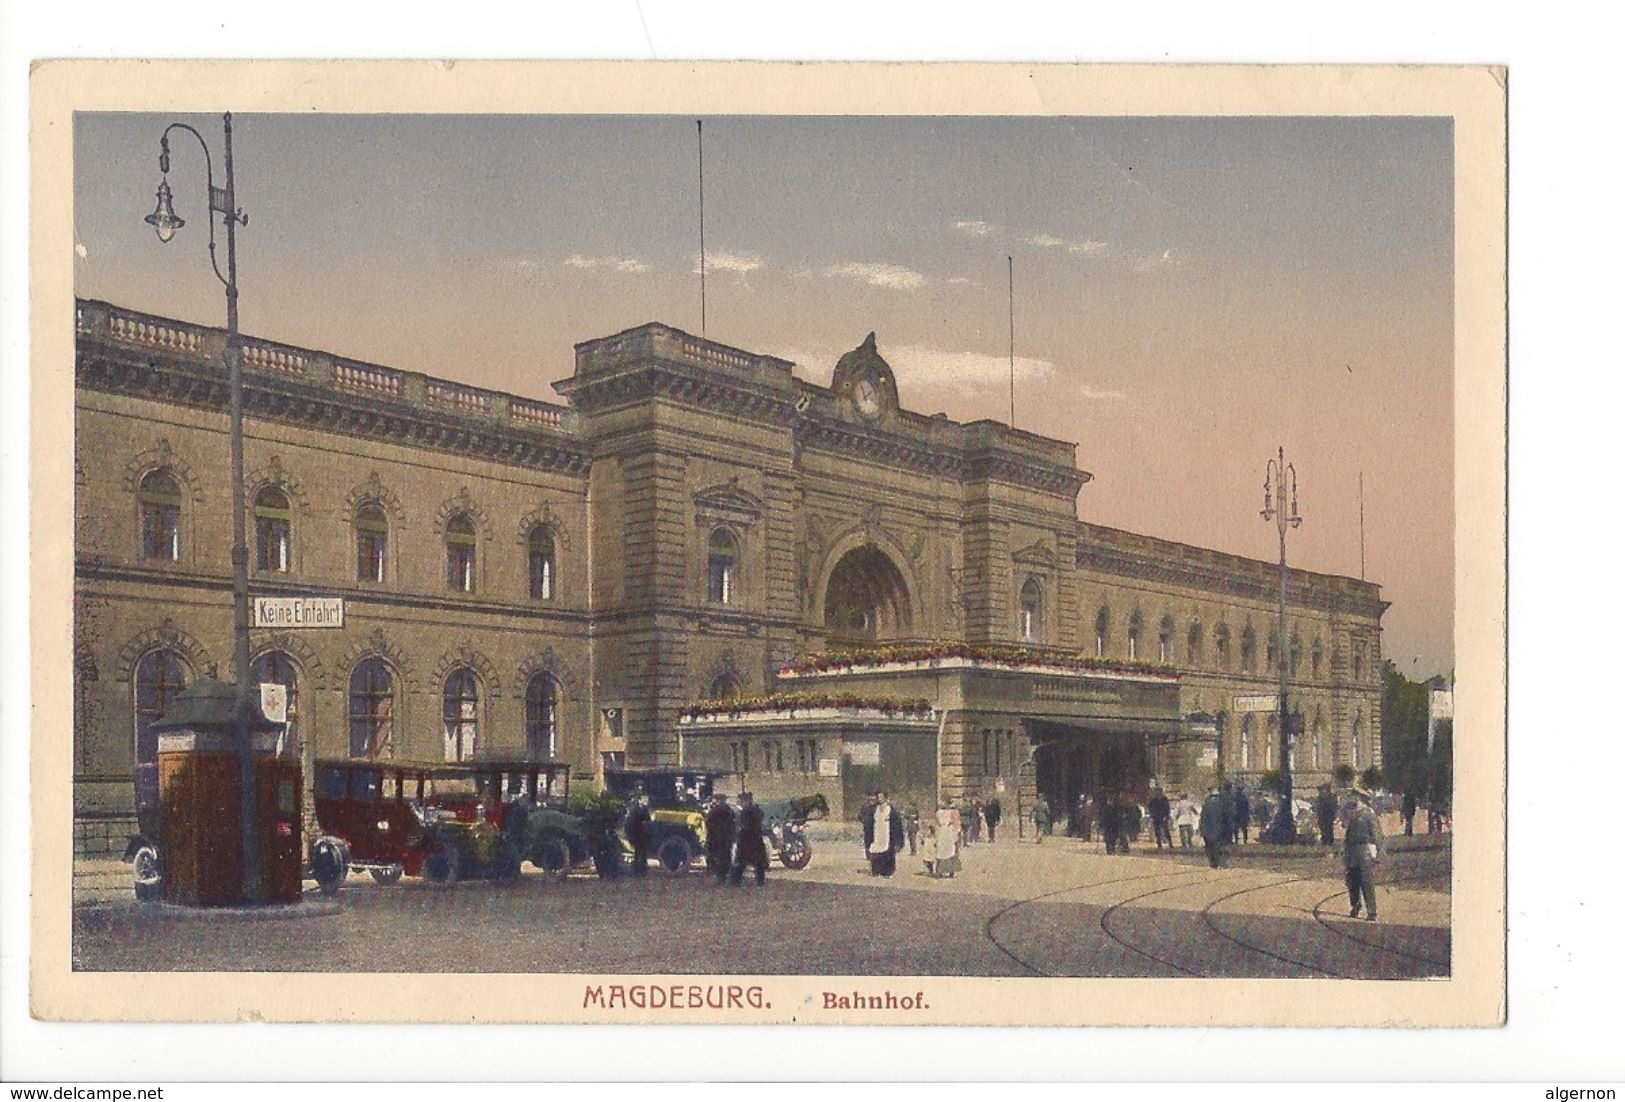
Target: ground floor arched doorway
[{"x": 1069, "y": 762}]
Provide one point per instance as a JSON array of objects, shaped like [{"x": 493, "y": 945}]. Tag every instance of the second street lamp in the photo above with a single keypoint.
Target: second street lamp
[
  {"x": 223, "y": 201},
  {"x": 1280, "y": 477}
]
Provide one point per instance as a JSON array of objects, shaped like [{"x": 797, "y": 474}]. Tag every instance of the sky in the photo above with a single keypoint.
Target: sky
[{"x": 1189, "y": 294}]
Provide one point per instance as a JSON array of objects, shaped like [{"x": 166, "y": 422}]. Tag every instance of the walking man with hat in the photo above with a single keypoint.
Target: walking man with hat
[{"x": 1362, "y": 849}]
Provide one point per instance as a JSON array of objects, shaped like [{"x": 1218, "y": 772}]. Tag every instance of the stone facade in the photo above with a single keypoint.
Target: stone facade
[{"x": 708, "y": 516}]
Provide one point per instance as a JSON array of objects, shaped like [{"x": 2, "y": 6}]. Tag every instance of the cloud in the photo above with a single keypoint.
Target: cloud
[
  {"x": 629, "y": 265},
  {"x": 893, "y": 276},
  {"x": 1151, "y": 262},
  {"x": 952, "y": 373},
  {"x": 724, "y": 261},
  {"x": 962, "y": 281},
  {"x": 973, "y": 227},
  {"x": 1077, "y": 248}
]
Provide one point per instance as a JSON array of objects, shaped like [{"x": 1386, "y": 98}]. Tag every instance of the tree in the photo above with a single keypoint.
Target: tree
[
  {"x": 1371, "y": 777},
  {"x": 1343, "y": 775},
  {"x": 1404, "y": 732}
]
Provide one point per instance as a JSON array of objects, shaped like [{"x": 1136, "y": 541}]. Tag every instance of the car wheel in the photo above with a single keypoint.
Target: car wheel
[
  {"x": 674, "y": 855},
  {"x": 388, "y": 875},
  {"x": 796, "y": 854},
  {"x": 443, "y": 865},
  {"x": 328, "y": 864},
  {"x": 149, "y": 874},
  {"x": 552, "y": 856}
]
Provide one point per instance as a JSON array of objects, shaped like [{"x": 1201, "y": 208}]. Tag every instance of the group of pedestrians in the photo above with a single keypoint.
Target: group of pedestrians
[
  {"x": 1362, "y": 838},
  {"x": 734, "y": 839}
]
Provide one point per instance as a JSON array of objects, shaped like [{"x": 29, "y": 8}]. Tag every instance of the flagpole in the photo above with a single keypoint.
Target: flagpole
[
  {"x": 699, "y": 132},
  {"x": 1011, "y": 262},
  {"x": 1362, "y": 526}
]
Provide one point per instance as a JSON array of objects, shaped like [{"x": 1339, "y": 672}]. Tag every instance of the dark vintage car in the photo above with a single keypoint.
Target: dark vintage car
[
  {"x": 677, "y": 799},
  {"x": 441, "y": 821}
]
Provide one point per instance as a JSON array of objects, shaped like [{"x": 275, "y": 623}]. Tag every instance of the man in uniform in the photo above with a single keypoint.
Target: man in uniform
[{"x": 1362, "y": 849}]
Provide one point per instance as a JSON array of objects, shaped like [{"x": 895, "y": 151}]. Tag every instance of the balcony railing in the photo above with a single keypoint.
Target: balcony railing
[{"x": 205, "y": 345}]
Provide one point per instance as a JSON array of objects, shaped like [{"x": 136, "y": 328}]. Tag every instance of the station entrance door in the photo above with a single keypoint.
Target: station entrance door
[{"x": 1069, "y": 761}]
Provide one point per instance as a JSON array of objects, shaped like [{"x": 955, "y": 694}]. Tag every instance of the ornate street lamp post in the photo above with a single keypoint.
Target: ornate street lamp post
[
  {"x": 223, "y": 201},
  {"x": 1279, "y": 477}
]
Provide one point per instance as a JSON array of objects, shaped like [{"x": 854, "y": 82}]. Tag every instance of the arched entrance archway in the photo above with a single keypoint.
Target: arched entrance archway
[{"x": 866, "y": 599}]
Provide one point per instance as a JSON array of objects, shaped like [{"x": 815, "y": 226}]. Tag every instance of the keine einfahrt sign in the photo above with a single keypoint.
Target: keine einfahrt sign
[{"x": 298, "y": 612}]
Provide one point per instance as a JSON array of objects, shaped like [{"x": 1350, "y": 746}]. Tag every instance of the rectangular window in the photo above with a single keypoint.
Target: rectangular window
[
  {"x": 369, "y": 556},
  {"x": 273, "y": 536},
  {"x": 722, "y": 582},
  {"x": 161, "y": 531},
  {"x": 460, "y": 567}
]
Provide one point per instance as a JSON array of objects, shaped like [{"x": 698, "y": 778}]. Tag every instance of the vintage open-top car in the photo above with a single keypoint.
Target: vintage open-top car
[{"x": 442, "y": 821}]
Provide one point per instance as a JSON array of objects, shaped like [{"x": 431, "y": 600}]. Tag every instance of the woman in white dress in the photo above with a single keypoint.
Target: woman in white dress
[{"x": 947, "y": 841}]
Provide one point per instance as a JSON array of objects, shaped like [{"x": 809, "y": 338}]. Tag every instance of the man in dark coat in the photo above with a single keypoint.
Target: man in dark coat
[
  {"x": 1161, "y": 818},
  {"x": 1216, "y": 827},
  {"x": 1243, "y": 816},
  {"x": 1111, "y": 823},
  {"x": 751, "y": 848},
  {"x": 638, "y": 822},
  {"x": 1133, "y": 820},
  {"x": 1326, "y": 812},
  {"x": 1407, "y": 811},
  {"x": 866, "y": 818},
  {"x": 994, "y": 813},
  {"x": 719, "y": 837}
]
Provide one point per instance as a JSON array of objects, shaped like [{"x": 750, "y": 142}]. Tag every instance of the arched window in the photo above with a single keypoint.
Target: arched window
[
  {"x": 1032, "y": 610},
  {"x": 160, "y": 499},
  {"x": 371, "y": 542},
  {"x": 460, "y": 710},
  {"x": 1355, "y": 737},
  {"x": 1103, "y": 623},
  {"x": 1294, "y": 654},
  {"x": 276, "y": 668},
  {"x": 460, "y": 553},
  {"x": 724, "y": 686},
  {"x": 1359, "y": 661},
  {"x": 1272, "y": 737},
  {"x": 372, "y": 710},
  {"x": 1317, "y": 747},
  {"x": 159, "y": 676},
  {"x": 1271, "y": 651},
  {"x": 542, "y": 716},
  {"x": 1165, "y": 640},
  {"x": 1249, "y": 648},
  {"x": 1134, "y": 636},
  {"x": 1193, "y": 644},
  {"x": 1316, "y": 656},
  {"x": 539, "y": 544},
  {"x": 722, "y": 566},
  {"x": 1221, "y": 645},
  {"x": 1247, "y": 740},
  {"x": 273, "y": 531}
]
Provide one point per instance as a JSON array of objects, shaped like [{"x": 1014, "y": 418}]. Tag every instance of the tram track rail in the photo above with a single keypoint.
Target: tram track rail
[{"x": 1211, "y": 922}]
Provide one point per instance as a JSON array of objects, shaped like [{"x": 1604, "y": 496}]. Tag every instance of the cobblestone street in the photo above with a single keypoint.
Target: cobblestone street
[{"x": 1016, "y": 909}]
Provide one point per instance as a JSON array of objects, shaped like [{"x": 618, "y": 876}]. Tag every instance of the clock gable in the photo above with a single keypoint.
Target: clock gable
[{"x": 864, "y": 379}]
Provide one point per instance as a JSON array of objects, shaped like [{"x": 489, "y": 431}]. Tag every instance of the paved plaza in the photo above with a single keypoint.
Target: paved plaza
[{"x": 1060, "y": 909}]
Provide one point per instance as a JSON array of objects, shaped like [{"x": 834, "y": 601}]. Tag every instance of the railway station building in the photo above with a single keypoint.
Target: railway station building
[{"x": 698, "y": 556}]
